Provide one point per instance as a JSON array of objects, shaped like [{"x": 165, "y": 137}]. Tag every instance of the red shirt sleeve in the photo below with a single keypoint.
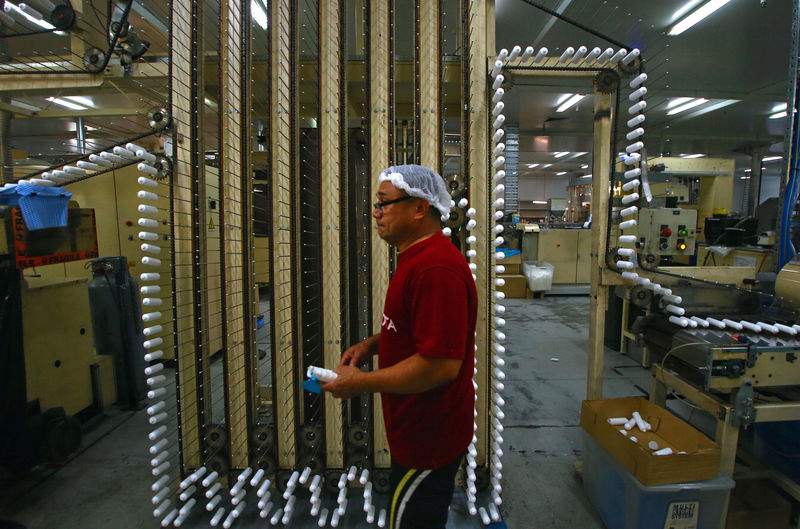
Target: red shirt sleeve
[{"x": 439, "y": 313}]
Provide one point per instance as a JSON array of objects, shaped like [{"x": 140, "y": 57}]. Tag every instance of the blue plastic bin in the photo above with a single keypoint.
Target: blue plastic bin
[
  {"x": 42, "y": 207},
  {"x": 624, "y": 503}
]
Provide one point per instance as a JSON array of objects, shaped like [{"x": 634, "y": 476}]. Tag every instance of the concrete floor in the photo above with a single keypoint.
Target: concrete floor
[{"x": 107, "y": 484}]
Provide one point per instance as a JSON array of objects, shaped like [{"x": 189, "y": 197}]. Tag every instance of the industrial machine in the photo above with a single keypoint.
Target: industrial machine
[
  {"x": 50, "y": 377},
  {"x": 667, "y": 231}
]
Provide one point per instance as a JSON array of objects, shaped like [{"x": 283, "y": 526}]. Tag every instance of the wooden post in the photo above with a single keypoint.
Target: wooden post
[
  {"x": 429, "y": 83},
  {"x": 598, "y": 303}
]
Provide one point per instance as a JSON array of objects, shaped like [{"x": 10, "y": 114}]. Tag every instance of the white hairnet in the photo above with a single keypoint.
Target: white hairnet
[{"x": 421, "y": 182}]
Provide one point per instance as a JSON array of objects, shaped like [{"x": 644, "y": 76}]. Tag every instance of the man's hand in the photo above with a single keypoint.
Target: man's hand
[
  {"x": 347, "y": 384},
  {"x": 360, "y": 353}
]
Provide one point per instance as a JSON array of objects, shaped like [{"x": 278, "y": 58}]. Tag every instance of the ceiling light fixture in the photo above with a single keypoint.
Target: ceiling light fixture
[
  {"x": 563, "y": 98},
  {"x": 684, "y": 9},
  {"x": 585, "y": 166},
  {"x": 692, "y": 155},
  {"x": 81, "y": 100},
  {"x": 687, "y": 106},
  {"x": 772, "y": 158},
  {"x": 572, "y": 101},
  {"x": 539, "y": 201},
  {"x": 532, "y": 165},
  {"x": 25, "y": 106},
  {"x": 778, "y": 115},
  {"x": 259, "y": 15},
  {"x": 560, "y": 154},
  {"x": 545, "y": 166},
  {"x": 695, "y": 16},
  {"x": 561, "y": 173},
  {"x": 778, "y": 107},
  {"x": 675, "y": 101},
  {"x": 66, "y": 103}
]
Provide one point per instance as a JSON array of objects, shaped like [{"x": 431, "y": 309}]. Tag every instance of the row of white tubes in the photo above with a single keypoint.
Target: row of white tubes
[{"x": 98, "y": 162}]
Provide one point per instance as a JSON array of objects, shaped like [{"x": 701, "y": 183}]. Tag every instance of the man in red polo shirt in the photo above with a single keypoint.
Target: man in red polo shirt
[{"x": 425, "y": 349}]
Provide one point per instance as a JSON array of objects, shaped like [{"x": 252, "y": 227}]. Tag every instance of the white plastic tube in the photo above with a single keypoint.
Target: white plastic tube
[
  {"x": 146, "y": 156},
  {"x": 156, "y": 380},
  {"x": 150, "y": 248},
  {"x": 732, "y": 324},
  {"x": 638, "y": 80},
  {"x": 663, "y": 452},
  {"x": 635, "y": 133},
  {"x": 149, "y": 290},
  {"x": 580, "y": 53},
  {"x": 750, "y": 326},
  {"x": 629, "y": 199},
  {"x": 498, "y": 95},
  {"x": 186, "y": 494},
  {"x": 498, "y": 134},
  {"x": 631, "y": 185},
  {"x": 527, "y": 54},
  {"x": 634, "y": 147},
  {"x": 161, "y": 509},
  {"x": 212, "y": 504},
  {"x": 568, "y": 53},
  {"x": 593, "y": 55},
  {"x": 626, "y": 225},
  {"x": 498, "y": 122},
  {"x": 146, "y": 195},
  {"x": 152, "y": 343},
  {"x": 627, "y": 239},
  {"x": 150, "y": 276},
  {"x": 146, "y": 209},
  {"x": 541, "y": 55},
  {"x": 158, "y": 432},
  {"x": 767, "y": 327},
  {"x": 672, "y": 309},
  {"x": 217, "y": 517},
  {"x": 629, "y": 211},
  {"x": 784, "y": 328},
  {"x": 633, "y": 173},
  {"x": 638, "y": 107},
  {"x": 499, "y": 175},
  {"x": 500, "y": 147},
  {"x": 151, "y": 261},
  {"x": 498, "y": 66},
  {"x": 679, "y": 321},
  {"x": 99, "y": 160},
  {"x": 716, "y": 323},
  {"x": 618, "y": 56},
  {"x": 76, "y": 171},
  {"x": 113, "y": 158},
  {"x": 144, "y": 181},
  {"x": 498, "y": 82},
  {"x": 499, "y": 161},
  {"x": 638, "y": 120},
  {"x": 630, "y": 276},
  {"x": 124, "y": 153},
  {"x": 168, "y": 519},
  {"x": 637, "y": 94},
  {"x": 629, "y": 58},
  {"x": 626, "y": 252},
  {"x": 515, "y": 51},
  {"x": 605, "y": 56},
  {"x": 625, "y": 265}
]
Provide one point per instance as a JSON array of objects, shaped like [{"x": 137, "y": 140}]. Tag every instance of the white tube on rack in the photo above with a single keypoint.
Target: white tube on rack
[
  {"x": 162, "y": 495},
  {"x": 169, "y": 518},
  {"x": 146, "y": 156},
  {"x": 625, "y": 265},
  {"x": 147, "y": 236},
  {"x": 217, "y": 517},
  {"x": 499, "y": 175},
  {"x": 672, "y": 309},
  {"x": 498, "y": 122},
  {"x": 634, "y": 147},
  {"x": 144, "y": 181},
  {"x": 188, "y": 493},
  {"x": 73, "y": 170},
  {"x": 638, "y": 120},
  {"x": 631, "y": 185},
  {"x": 124, "y": 153},
  {"x": 499, "y": 161},
  {"x": 679, "y": 321},
  {"x": 629, "y": 58},
  {"x": 638, "y": 80},
  {"x": 148, "y": 290},
  {"x": 605, "y": 56},
  {"x": 133, "y": 147},
  {"x": 158, "y": 406},
  {"x": 663, "y": 452},
  {"x": 796, "y": 327},
  {"x": 566, "y": 55},
  {"x": 579, "y": 54},
  {"x": 635, "y": 133},
  {"x": 626, "y": 252},
  {"x": 750, "y": 326},
  {"x": 155, "y": 419},
  {"x": 263, "y": 490},
  {"x": 768, "y": 327},
  {"x": 733, "y": 324},
  {"x": 238, "y": 497},
  {"x": 498, "y": 95},
  {"x": 158, "y": 511},
  {"x": 630, "y": 276},
  {"x": 146, "y": 195},
  {"x": 593, "y": 55},
  {"x": 147, "y": 209},
  {"x": 158, "y": 432},
  {"x": 150, "y": 248},
  {"x": 785, "y": 328},
  {"x": 99, "y": 160},
  {"x": 113, "y": 158},
  {"x": 151, "y": 261},
  {"x": 147, "y": 169},
  {"x": 629, "y": 211},
  {"x": 716, "y": 323},
  {"x": 471, "y": 212},
  {"x": 150, "y": 276},
  {"x": 156, "y": 380},
  {"x": 163, "y": 467},
  {"x": 618, "y": 56},
  {"x": 629, "y": 199},
  {"x": 212, "y": 504},
  {"x": 498, "y": 82},
  {"x": 541, "y": 55},
  {"x": 636, "y": 94},
  {"x": 638, "y": 107},
  {"x": 527, "y": 54},
  {"x": 633, "y": 173},
  {"x": 500, "y": 147},
  {"x": 623, "y": 239},
  {"x": 498, "y": 134},
  {"x": 628, "y": 224},
  {"x": 498, "y": 66},
  {"x": 155, "y": 342},
  {"x": 265, "y": 506}
]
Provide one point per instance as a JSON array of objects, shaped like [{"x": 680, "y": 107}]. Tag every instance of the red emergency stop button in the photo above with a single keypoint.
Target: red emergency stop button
[{"x": 666, "y": 232}]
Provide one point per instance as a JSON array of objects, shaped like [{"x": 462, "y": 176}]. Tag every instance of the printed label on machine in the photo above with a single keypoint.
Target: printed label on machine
[{"x": 683, "y": 515}]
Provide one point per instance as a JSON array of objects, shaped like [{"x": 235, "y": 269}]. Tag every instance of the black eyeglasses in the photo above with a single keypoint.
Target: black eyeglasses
[{"x": 380, "y": 205}]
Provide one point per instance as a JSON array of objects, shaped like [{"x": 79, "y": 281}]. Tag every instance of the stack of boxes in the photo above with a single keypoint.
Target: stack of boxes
[{"x": 515, "y": 283}]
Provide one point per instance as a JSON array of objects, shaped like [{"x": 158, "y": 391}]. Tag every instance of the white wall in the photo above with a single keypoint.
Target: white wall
[{"x": 542, "y": 188}]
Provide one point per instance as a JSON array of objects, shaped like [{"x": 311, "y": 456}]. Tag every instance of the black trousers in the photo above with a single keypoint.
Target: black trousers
[{"x": 420, "y": 499}]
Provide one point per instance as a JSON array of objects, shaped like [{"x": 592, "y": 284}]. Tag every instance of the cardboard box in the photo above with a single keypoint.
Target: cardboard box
[
  {"x": 515, "y": 286},
  {"x": 700, "y": 462},
  {"x": 512, "y": 264}
]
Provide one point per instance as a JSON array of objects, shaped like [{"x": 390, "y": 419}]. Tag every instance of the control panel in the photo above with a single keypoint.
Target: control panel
[{"x": 667, "y": 231}]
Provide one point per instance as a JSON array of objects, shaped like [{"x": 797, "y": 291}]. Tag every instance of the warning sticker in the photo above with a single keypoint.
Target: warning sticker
[{"x": 683, "y": 515}]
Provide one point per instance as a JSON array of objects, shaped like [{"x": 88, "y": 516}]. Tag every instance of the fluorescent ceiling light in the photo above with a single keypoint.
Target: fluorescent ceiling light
[
  {"x": 687, "y": 106},
  {"x": 570, "y": 102},
  {"x": 563, "y": 98},
  {"x": 25, "y": 106},
  {"x": 675, "y": 101},
  {"x": 585, "y": 166},
  {"x": 778, "y": 115},
  {"x": 561, "y": 173},
  {"x": 772, "y": 158},
  {"x": 560, "y": 154},
  {"x": 259, "y": 15},
  {"x": 779, "y": 107},
  {"x": 539, "y": 201},
  {"x": 545, "y": 166},
  {"x": 696, "y": 16},
  {"x": 585, "y": 176},
  {"x": 684, "y": 9},
  {"x": 65, "y": 103},
  {"x": 532, "y": 165},
  {"x": 692, "y": 155},
  {"x": 81, "y": 100}
]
